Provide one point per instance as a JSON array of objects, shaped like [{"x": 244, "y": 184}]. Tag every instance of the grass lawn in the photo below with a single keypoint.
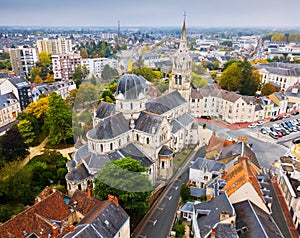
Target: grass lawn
[{"x": 180, "y": 157}]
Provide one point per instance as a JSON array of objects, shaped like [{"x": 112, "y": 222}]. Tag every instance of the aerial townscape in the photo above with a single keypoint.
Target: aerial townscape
[{"x": 119, "y": 130}]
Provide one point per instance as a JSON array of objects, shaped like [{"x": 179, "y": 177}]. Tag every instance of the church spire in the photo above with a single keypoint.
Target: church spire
[{"x": 183, "y": 33}]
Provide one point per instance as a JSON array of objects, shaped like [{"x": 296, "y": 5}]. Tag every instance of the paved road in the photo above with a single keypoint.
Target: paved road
[{"x": 159, "y": 220}]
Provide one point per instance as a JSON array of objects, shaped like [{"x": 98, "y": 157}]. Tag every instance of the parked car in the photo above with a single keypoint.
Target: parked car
[
  {"x": 286, "y": 116},
  {"x": 263, "y": 130},
  {"x": 279, "y": 117},
  {"x": 295, "y": 113},
  {"x": 279, "y": 133},
  {"x": 296, "y": 140},
  {"x": 283, "y": 132},
  {"x": 273, "y": 119},
  {"x": 274, "y": 135},
  {"x": 259, "y": 123},
  {"x": 252, "y": 125}
]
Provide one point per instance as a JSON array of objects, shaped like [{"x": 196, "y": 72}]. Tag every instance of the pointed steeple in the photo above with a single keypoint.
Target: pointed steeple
[{"x": 183, "y": 33}]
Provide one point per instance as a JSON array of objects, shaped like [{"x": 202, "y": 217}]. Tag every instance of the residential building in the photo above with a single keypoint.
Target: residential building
[
  {"x": 19, "y": 87},
  {"x": 280, "y": 101},
  {"x": 215, "y": 146},
  {"x": 96, "y": 65},
  {"x": 283, "y": 75},
  {"x": 293, "y": 96},
  {"x": 212, "y": 218},
  {"x": 289, "y": 182},
  {"x": 55, "y": 46},
  {"x": 64, "y": 65},
  {"x": 150, "y": 128},
  {"x": 9, "y": 108},
  {"x": 23, "y": 59}
]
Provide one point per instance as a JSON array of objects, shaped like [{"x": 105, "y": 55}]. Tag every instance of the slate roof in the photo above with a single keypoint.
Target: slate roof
[
  {"x": 284, "y": 69},
  {"x": 165, "y": 103},
  {"x": 148, "y": 122},
  {"x": 104, "y": 220},
  {"x": 209, "y": 165},
  {"x": 226, "y": 231},
  {"x": 289, "y": 92},
  {"x": 187, "y": 207},
  {"x": 255, "y": 221},
  {"x": 3, "y": 75},
  {"x": 37, "y": 218},
  {"x": 212, "y": 209},
  {"x": 5, "y": 98},
  {"x": 185, "y": 120},
  {"x": 19, "y": 82},
  {"x": 197, "y": 192},
  {"x": 176, "y": 126},
  {"x": 165, "y": 150},
  {"x": 78, "y": 174},
  {"x": 105, "y": 109},
  {"x": 109, "y": 127}
]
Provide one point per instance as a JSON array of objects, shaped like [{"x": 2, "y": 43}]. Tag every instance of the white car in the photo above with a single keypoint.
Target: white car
[
  {"x": 252, "y": 125},
  {"x": 286, "y": 116},
  {"x": 259, "y": 123}
]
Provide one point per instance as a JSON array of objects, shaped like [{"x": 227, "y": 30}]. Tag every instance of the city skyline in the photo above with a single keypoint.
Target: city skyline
[{"x": 155, "y": 13}]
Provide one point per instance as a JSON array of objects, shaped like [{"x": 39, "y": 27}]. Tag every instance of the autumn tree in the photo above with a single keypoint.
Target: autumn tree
[
  {"x": 27, "y": 130},
  {"x": 44, "y": 59},
  {"x": 278, "y": 37},
  {"x": 84, "y": 54},
  {"x": 59, "y": 120},
  {"x": 268, "y": 89},
  {"x": 38, "y": 80},
  {"x": 39, "y": 108}
]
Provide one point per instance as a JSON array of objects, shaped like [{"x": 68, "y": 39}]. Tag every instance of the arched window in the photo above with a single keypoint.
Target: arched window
[
  {"x": 119, "y": 142},
  {"x": 148, "y": 140},
  {"x": 137, "y": 137},
  {"x": 180, "y": 80},
  {"x": 101, "y": 148},
  {"x": 176, "y": 79},
  {"x": 79, "y": 186},
  {"x": 111, "y": 146}
]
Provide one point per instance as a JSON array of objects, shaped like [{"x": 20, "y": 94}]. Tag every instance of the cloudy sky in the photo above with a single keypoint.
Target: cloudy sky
[{"x": 204, "y": 13}]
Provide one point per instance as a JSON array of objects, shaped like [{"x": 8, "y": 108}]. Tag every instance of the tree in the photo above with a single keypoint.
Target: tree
[
  {"x": 36, "y": 71},
  {"x": 59, "y": 120},
  {"x": 228, "y": 63},
  {"x": 80, "y": 73},
  {"x": 38, "y": 80},
  {"x": 213, "y": 75},
  {"x": 278, "y": 37},
  {"x": 125, "y": 179},
  {"x": 72, "y": 96},
  {"x": 39, "y": 108},
  {"x": 6, "y": 211},
  {"x": 179, "y": 228},
  {"x": 86, "y": 94},
  {"x": 84, "y": 54},
  {"x": 230, "y": 78},
  {"x": 13, "y": 145},
  {"x": 109, "y": 73},
  {"x": 198, "y": 68},
  {"x": 44, "y": 59},
  {"x": 185, "y": 192},
  {"x": 227, "y": 43},
  {"x": 49, "y": 78},
  {"x": 26, "y": 129},
  {"x": 198, "y": 81},
  {"x": 93, "y": 80},
  {"x": 268, "y": 89}
]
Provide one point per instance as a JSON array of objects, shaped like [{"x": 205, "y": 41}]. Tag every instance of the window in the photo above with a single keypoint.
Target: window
[
  {"x": 163, "y": 164},
  {"x": 137, "y": 137},
  {"x": 111, "y": 146},
  {"x": 180, "y": 80},
  {"x": 148, "y": 140},
  {"x": 131, "y": 105},
  {"x": 101, "y": 148}
]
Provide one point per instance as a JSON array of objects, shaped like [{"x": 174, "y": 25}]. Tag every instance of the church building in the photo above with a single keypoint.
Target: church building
[{"x": 147, "y": 128}]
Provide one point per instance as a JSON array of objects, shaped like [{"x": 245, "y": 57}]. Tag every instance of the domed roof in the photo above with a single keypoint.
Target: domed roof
[{"x": 131, "y": 85}]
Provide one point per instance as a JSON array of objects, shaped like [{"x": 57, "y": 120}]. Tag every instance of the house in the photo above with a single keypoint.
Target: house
[
  {"x": 293, "y": 95},
  {"x": 252, "y": 221},
  {"x": 9, "y": 108},
  {"x": 215, "y": 146},
  {"x": 203, "y": 171},
  {"x": 280, "y": 101},
  {"x": 208, "y": 215}
]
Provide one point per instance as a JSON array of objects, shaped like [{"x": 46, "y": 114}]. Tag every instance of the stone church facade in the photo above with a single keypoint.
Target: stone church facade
[{"x": 140, "y": 125}]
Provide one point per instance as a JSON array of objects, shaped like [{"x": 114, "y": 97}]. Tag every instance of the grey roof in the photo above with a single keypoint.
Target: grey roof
[
  {"x": 148, "y": 122},
  {"x": 165, "y": 103},
  {"x": 255, "y": 220},
  {"x": 105, "y": 109},
  {"x": 176, "y": 126},
  {"x": 236, "y": 150},
  {"x": 131, "y": 85},
  {"x": 19, "y": 82},
  {"x": 187, "y": 207},
  {"x": 6, "y": 99},
  {"x": 109, "y": 127},
  {"x": 165, "y": 150},
  {"x": 3, "y": 75},
  {"x": 186, "y": 120},
  {"x": 284, "y": 69},
  {"x": 209, "y": 165},
  {"x": 197, "y": 192},
  {"x": 102, "y": 221},
  {"x": 78, "y": 174},
  {"x": 208, "y": 213},
  {"x": 289, "y": 91},
  {"x": 226, "y": 231}
]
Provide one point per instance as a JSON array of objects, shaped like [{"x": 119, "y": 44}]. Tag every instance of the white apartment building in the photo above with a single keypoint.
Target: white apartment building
[
  {"x": 64, "y": 65},
  {"x": 23, "y": 59},
  {"x": 9, "y": 108},
  {"x": 55, "y": 46},
  {"x": 228, "y": 106},
  {"x": 96, "y": 65},
  {"x": 282, "y": 74}
]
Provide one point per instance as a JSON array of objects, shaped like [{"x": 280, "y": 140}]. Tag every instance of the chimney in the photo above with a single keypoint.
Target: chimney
[
  {"x": 54, "y": 189},
  {"x": 114, "y": 199},
  {"x": 213, "y": 233},
  {"x": 89, "y": 192},
  {"x": 71, "y": 227},
  {"x": 55, "y": 230}
]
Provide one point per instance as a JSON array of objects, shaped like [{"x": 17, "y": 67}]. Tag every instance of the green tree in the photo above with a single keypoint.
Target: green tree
[
  {"x": 107, "y": 94},
  {"x": 109, "y": 73},
  {"x": 44, "y": 59},
  {"x": 185, "y": 193},
  {"x": 125, "y": 179},
  {"x": 198, "y": 81},
  {"x": 230, "y": 78},
  {"x": 6, "y": 211},
  {"x": 93, "y": 80},
  {"x": 227, "y": 43},
  {"x": 72, "y": 96},
  {"x": 59, "y": 120},
  {"x": 86, "y": 95},
  {"x": 228, "y": 63},
  {"x": 279, "y": 37},
  {"x": 268, "y": 89},
  {"x": 80, "y": 73},
  {"x": 197, "y": 68},
  {"x": 179, "y": 228},
  {"x": 27, "y": 131},
  {"x": 36, "y": 71},
  {"x": 251, "y": 80},
  {"x": 213, "y": 75}
]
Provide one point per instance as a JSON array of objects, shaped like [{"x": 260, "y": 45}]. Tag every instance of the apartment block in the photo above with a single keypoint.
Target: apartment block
[
  {"x": 96, "y": 65},
  {"x": 64, "y": 65},
  {"x": 55, "y": 46}
]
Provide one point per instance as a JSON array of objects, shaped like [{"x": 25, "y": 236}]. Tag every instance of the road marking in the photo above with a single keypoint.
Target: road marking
[
  {"x": 160, "y": 208},
  {"x": 175, "y": 187},
  {"x": 154, "y": 222},
  {"x": 142, "y": 236}
]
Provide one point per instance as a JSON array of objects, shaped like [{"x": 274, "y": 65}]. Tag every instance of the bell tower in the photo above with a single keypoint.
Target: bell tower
[{"x": 182, "y": 68}]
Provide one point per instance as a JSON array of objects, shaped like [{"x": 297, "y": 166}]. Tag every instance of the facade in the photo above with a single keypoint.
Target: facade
[
  {"x": 23, "y": 59},
  {"x": 282, "y": 74},
  {"x": 228, "y": 106},
  {"x": 54, "y": 46},
  {"x": 19, "y": 87},
  {"x": 64, "y": 65},
  {"x": 280, "y": 101},
  {"x": 150, "y": 128},
  {"x": 96, "y": 65},
  {"x": 293, "y": 96},
  {"x": 9, "y": 108}
]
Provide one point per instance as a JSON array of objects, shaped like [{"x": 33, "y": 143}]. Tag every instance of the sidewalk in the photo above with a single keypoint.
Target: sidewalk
[{"x": 284, "y": 208}]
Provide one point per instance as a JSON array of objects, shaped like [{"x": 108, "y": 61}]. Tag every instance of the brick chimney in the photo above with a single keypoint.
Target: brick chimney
[
  {"x": 55, "y": 230},
  {"x": 213, "y": 233},
  {"x": 89, "y": 192},
  {"x": 71, "y": 227},
  {"x": 114, "y": 199}
]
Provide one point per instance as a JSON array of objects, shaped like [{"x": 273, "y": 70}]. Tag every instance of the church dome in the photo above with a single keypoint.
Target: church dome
[{"x": 131, "y": 86}]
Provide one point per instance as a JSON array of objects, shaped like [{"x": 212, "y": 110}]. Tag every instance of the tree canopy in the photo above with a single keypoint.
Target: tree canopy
[
  {"x": 268, "y": 89},
  {"x": 109, "y": 73},
  {"x": 241, "y": 76}
]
